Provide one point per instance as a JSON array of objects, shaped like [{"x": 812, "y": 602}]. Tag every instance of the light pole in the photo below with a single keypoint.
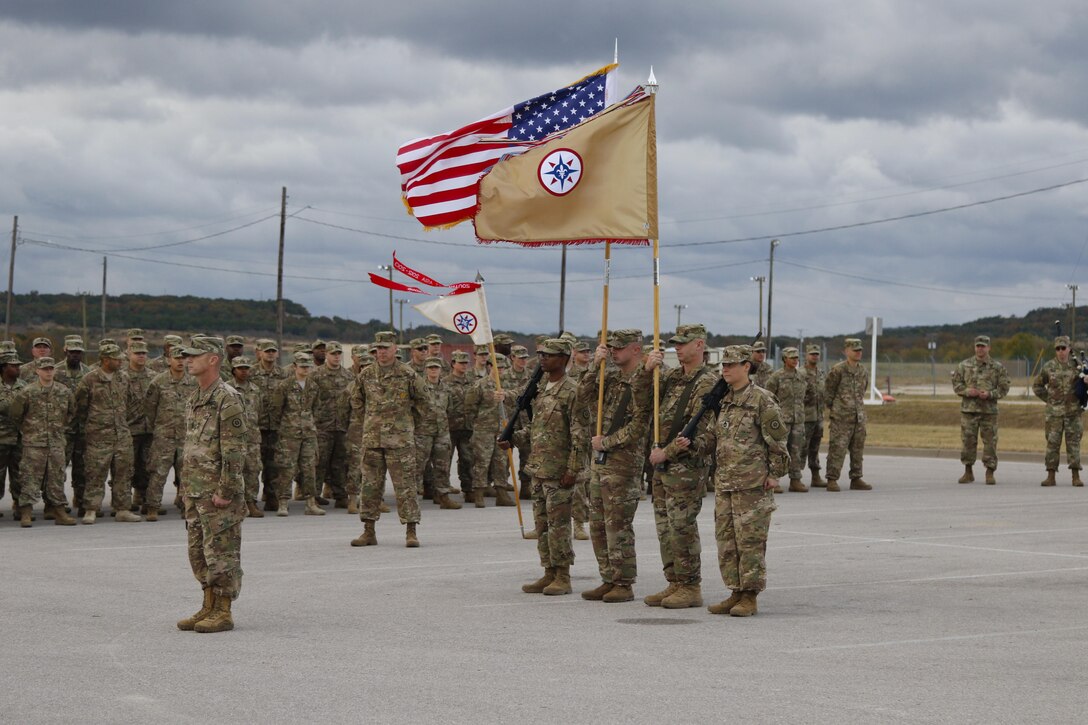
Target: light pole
[
  {"x": 400, "y": 327},
  {"x": 388, "y": 268},
  {"x": 932, "y": 345},
  {"x": 761, "y": 279},
  {"x": 1073, "y": 326},
  {"x": 678, "y": 309},
  {"x": 770, "y": 299}
]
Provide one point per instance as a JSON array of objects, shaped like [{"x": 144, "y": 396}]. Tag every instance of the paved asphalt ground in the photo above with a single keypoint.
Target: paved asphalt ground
[{"x": 920, "y": 601}]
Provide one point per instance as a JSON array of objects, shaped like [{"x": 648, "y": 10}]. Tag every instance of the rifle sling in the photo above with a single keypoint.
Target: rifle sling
[
  {"x": 680, "y": 419},
  {"x": 619, "y": 417}
]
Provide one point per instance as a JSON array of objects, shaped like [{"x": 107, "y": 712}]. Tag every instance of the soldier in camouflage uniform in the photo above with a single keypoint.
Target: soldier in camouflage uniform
[
  {"x": 162, "y": 364},
  {"x": 250, "y": 394},
  {"x": 615, "y": 484},
  {"x": 434, "y": 349},
  {"x": 216, "y": 440},
  {"x": 69, "y": 374},
  {"x": 750, "y": 440},
  {"x": 267, "y": 375},
  {"x": 139, "y": 378},
  {"x": 580, "y": 505},
  {"x": 980, "y": 382},
  {"x": 41, "y": 347},
  {"x": 459, "y": 382},
  {"x": 433, "y": 439},
  {"x": 103, "y": 403},
  {"x": 10, "y": 385},
  {"x": 355, "y": 438},
  {"x": 331, "y": 418},
  {"x": 814, "y": 413},
  {"x": 559, "y": 433},
  {"x": 790, "y": 386},
  {"x": 417, "y": 349},
  {"x": 1056, "y": 386},
  {"x": 164, "y": 407},
  {"x": 678, "y": 489},
  {"x": 844, "y": 391},
  {"x": 489, "y": 464},
  {"x": 319, "y": 349},
  {"x": 520, "y": 374},
  {"x": 391, "y": 400},
  {"x": 291, "y": 412},
  {"x": 42, "y": 412},
  {"x": 761, "y": 369},
  {"x": 235, "y": 346},
  {"x": 481, "y": 357}
]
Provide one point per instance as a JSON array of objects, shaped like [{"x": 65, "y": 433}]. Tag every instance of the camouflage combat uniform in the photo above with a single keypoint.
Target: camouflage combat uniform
[
  {"x": 252, "y": 400},
  {"x": 267, "y": 379},
  {"x": 331, "y": 417},
  {"x": 76, "y": 449},
  {"x": 1055, "y": 386},
  {"x": 461, "y": 429},
  {"x": 9, "y": 440},
  {"x": 814, "y": 416},
  {"x": 165, "y": 406},
  {"x": 489, "y": 463},
  {"x": 789, "y": 388},
  {"x": 844, "y": 391},
  {"x": 978, "y": 417},
  {"x": 43, "y": 416},
  {"x": 103, "y": 404},
  {"x": 291, "y": 412},
  {"x": 138, "y": 426},
  {"x": 433, "y": 449}
]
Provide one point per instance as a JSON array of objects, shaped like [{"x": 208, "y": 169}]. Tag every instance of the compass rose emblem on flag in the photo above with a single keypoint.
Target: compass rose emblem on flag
[
  {"x": 560, "y": 171},
  {"x": 465, "y": 322}
]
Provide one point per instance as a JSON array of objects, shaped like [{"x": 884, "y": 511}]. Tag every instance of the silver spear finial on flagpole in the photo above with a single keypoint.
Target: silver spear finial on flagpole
[
  {"x": 616, "y": 53},
  {"x": 651, "y": 83}
]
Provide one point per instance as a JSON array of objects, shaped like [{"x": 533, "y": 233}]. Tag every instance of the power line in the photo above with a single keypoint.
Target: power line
[
  {"x": 154, "y": 246},
  {"x": 262, "y": 210}
]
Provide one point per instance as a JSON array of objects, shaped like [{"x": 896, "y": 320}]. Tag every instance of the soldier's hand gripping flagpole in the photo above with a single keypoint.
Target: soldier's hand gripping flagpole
[{"x": 602, "y": 455}]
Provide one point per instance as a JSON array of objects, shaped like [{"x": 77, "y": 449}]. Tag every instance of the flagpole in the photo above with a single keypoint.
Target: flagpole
[
  {"x": 604, "y": 336},
  {"x": 509, "y": 451},
  {"x": 657, "y": 344}
]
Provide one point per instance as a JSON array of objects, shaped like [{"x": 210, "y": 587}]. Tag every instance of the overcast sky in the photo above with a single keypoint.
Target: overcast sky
[{"x": 128, "y": 125}]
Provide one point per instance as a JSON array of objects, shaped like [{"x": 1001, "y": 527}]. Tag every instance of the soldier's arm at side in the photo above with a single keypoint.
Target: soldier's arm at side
[
  {"x": 1040, "y": 384},
  {"x": 831, "y": 387},
  {"x": 959, "y": 385},
  {"x": 17, "y": 408},
  {"x": 232, "y": 448},
  {"x": 82, "y": 402},
  {"x": 275, "y": 405},
  {"x": 151, "y": 405},
  {"x": 1003, "y": 384},
  {"x": 775, "y": 434}
]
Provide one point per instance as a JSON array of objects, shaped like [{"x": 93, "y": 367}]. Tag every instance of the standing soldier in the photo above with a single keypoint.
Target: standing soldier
[
  {"x": 234, "y": 347},
  {"x": 433, "y": 439},
  {"x": 139, "y": 379},
  {"x": 418, "y": 348},
  {"x": 291, "y": 411},
  {"x": 251, "y": 400},
  {"x": 102, "y": 404},
  {"x": 267, "y": 375},
  {"x": 482, "y": 358},
  {"x": 761, "y": 369},
  {"x": 558, "y": 433},
  {"x": 331, "y": 417},
  {"x": 580, "y": 361},
  {"x": 1056, "y": 386},
  {"x": 489, "y": 465},
  {"x": 215, "y": 449},
  {"x": 360, "y": 357},
  {"x": 164, "y": 407},
  {"x": 844, "y": 391},
  {"x": 162, "y": 364},
  {"x": 42, "y": 347},
  {"x": 789, "y": 386},
  {"x": 459, "y": 382},
  {"x": 42, "y": 411},
  {"x": 10, "y": 385},
  {"x": 752, "y": 455},
  {"x": 390, "y": 398},
  {"x": 680, "y": 468},
  {"x": 434, "y": 349},
  {"x": 814, "y": 413},
  {"x": 519, "y": 377},
  {"x": 69, "y": 375},
  {"x": 980, "y": 382},
  {"x": 615, "y": 483},
  {"x": 319, "y": 349}
]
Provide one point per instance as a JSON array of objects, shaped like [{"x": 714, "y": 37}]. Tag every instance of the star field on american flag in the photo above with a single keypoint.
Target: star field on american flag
[{"x": 556, "y": 111}]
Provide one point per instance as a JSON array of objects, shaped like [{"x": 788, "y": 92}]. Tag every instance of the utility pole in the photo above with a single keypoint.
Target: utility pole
[
  {"x": 400, "y": 327},
  {"x": 1072, "y": 327},
  {"x": 279, "y": 272},
  {"x": 562, "y": 286},
  {"x": 678, "y": 308},
  {"x": 103, "y": 297},
  {"x": 761, "y": 279},
  {"x": 11, "y": 278},
  {"x": 389, "y": 268},
  {"x": 83, "y": 300},
  {"x": 770, "y": 299}
]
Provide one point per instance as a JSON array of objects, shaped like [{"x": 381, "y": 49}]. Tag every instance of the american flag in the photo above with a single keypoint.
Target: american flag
[{"x": 439, "y": 175}]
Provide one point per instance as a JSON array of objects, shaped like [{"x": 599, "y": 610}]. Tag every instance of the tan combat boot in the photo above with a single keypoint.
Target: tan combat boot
[
  {"x": 219, "y": 620},
  {"x": 968, "y": 475},
  {"x": 619, "y": 593},
  {"x": 580, "y": 531},
  {"x": 298, "y": 493},
  {"x": 353, "y": 505},
  {"x": 187, "y": 624},
  {"x": 597, "y": 594},
  {"x": 368, "y": 537},
  {"x": 445, "y": 502},
  {"x": 502, "y": 497},
  {"x": 531, "y": 534},
  {"x": 727, "y": 605},
  {"x": 654, "y": 600},
  {"x": 817, "y": 482},
  {"x": 688, "y": 595},
  {"x": 833, "y": 485},
  {"x": 61, "y": 517},
  {"x": 1049, "y": 478},
  {"x": 797, "y": 487},
  {"x": 253, "y": 511},
  {"x": 24, "y": 516},
  {"x": 857, "y": 484},
  {"x": 312, "y": 509},
  {"x": 1076, "y": 478},
  {"x": 127, "y": 517},
  {"x": 560, "y": 584},
  {"x": 151, "y": 513},
  {"x": 281, "y": 510},
  {"x": 326, "y": 492},
  {"x": 90, "y": 516},
  {"x": 410, "y": 539},
  {"x": 747, "y": 605},
  {"x": 470, "y": 496},
  {"x": 537, "y": 587},
  {"x": 990, "y": 480},
  {"x": 478, "y": 497},
  {"x": 778, "y": 488}
]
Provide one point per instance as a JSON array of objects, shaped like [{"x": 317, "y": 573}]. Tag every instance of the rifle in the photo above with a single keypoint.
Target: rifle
[{"x": 524, "y": 403}]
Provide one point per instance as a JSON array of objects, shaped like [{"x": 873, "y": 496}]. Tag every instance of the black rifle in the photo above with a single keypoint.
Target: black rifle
[{"x": 524, "y": 404}]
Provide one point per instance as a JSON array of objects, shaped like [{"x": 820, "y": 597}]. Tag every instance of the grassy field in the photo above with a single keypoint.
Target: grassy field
[{"x": 936, "y": 424}]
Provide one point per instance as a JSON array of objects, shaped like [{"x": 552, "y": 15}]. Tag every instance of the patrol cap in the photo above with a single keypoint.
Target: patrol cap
[
  {"x": 45, "y": 362},
  {"x": 852, "y": 343},
  {"x": 241, "y": 362},
  {"x": 1061, "y": 341},
  {"x": 203, "y": 345},
  {"x": 264, "y": 345},
  {"x": 177, "y": 351},
  {"x": 10, "y": 358},
  {"x": 135, "y": 334},
  {"x": 738, "y": 354},
  {"x": 303, "y": 359},
  {"x": 503, "y": 339},
  {"x": 137, "y": 346},
  {"x": 43, "y": 341},
  {"x": 555, "y": 346},
  {"x": 790, "y": 352},
  {"x": 459, "y": 356},
  {"x": 73, "y": 343},
  {"x": 519, "y": 351},
  {"x": 416, "y": 343},
  {"x": 106, "y": 341},
  {"x": 647, "y": 348},
  {"x": 360, "y": 351},
  {"x": 433, "y": 362},
  {"x": 568, "y": 336},
  {"x": 582, "y": 346},
  {"x": 539, "y": 340},
  {"x": 170, "y": 340},
  {"x": 480, "y": 350},
  {"x": 759, "y": 346},
  {"x": 334, "y": 346},
  {"x": 319, "y": 343},
  {"x": 301, "y": 347},
  {"x": 687, "y": 333},
  {"x": 623, "y": 338},
  {"x": 983, "y": 340},
  {"x": 7, "y": 346},
  {"x": 235, "y": 340},
  {"x": 385, "y": 338},
  {"x": 813, "y": 350},
  {"x": 110, "y": 350},
  {"x": 433, "y": 339},
  {"x": 501, "y": 360}
]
